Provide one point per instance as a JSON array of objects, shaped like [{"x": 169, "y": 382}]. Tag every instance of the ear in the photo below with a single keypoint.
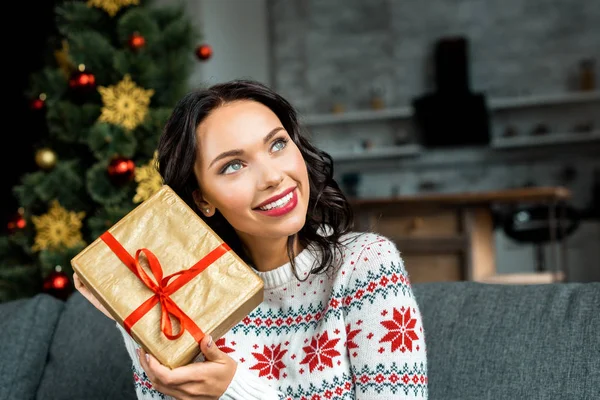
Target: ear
[{"x": 205, "y": 207}]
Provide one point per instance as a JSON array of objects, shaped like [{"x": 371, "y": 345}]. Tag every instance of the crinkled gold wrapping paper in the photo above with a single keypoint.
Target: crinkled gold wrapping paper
[{"x": 216, "y": 299}]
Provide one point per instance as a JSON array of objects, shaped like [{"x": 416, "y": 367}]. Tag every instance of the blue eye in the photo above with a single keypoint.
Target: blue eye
[
  {"x": 232, "y": 167},
  {"x": 279, "y": 144}
]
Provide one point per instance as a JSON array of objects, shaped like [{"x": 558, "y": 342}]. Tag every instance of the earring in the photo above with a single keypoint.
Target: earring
[{"x": 207, "y": 210}]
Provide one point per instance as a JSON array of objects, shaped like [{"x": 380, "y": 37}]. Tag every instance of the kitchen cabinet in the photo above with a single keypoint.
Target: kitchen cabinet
[{"x": 450, "y": 237}]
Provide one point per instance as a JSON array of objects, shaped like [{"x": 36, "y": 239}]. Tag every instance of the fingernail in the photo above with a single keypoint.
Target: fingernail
[
  {"x": 147, "y": 357},
  {"x": 209, "y": 341}
]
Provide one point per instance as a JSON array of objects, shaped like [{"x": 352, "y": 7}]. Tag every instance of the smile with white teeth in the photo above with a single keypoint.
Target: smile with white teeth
[{"x": 279, "y": 203}]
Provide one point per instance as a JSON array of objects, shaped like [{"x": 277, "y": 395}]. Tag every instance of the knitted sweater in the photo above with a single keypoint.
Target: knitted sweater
[{"x": 353, "y": 333}]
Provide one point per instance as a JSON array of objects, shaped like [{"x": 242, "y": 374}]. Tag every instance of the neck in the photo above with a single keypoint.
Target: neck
[{"x": 268, "y": 254}]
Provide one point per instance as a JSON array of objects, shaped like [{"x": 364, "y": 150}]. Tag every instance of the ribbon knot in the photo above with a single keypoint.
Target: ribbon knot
[
  {"x": 169, "y": 309},
  {"x": 163, "y": 287}
]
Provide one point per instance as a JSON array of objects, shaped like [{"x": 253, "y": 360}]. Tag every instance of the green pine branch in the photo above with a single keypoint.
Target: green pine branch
[{"x": 84, "y": 146}]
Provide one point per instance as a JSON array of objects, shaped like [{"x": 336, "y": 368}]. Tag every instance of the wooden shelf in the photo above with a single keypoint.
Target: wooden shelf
[
  {"x": 378, "y": 153},
  {"x": 358, "y": 116},
  {"x": 531, "y": 278},
  {"x": 494, "y": 104},
  {"x": 543, "y": 100},
  {"x": 545, "y": 140},
  {"x": 484, "y": 198}
]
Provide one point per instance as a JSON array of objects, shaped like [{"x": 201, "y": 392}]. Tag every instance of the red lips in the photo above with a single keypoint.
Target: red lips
[{"x": 276, "y": 197}]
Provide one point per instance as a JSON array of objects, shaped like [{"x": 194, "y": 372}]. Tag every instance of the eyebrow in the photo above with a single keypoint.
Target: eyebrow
[{"x": 238, "y": 152}]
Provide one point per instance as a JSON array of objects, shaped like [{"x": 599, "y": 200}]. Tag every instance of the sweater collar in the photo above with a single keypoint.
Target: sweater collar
[{"x": 284, "y": 274}]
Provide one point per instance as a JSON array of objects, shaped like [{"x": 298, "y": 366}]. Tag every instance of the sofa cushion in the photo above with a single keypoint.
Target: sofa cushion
[
  {"x": 27, "y": 329},
  {"x": 511, "y": 342},
  {"x": 87, "y": 358}
]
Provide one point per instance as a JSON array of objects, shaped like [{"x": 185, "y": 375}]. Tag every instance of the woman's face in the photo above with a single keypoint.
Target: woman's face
[{"x": 249, "y": 169}]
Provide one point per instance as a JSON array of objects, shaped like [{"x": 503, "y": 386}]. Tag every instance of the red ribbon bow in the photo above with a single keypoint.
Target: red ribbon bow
[{"x": 163, "y": 288}]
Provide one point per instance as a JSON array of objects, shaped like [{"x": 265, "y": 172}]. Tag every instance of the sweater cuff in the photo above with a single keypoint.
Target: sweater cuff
[{"x": 246, "y": 386}]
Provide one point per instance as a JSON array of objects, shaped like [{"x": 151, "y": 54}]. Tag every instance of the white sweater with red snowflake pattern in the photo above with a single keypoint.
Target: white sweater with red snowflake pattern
[{"x": 353, "y": 333}]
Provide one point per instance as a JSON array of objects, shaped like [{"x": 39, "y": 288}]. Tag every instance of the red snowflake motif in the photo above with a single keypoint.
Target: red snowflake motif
[
  {"x": 269, "y": 362},
  {"x": 401, "y": 330},
  {"x": 350, "y": 335},
  {"x": 372, "y": 286},
  {"x": 320, "y": 352},
  {"x": 223, "y": 346}
]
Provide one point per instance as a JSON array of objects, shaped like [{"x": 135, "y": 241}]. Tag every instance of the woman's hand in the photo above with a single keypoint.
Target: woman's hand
[
  {"x": 206, "y": 380},
  {"x": 88, "y": 295}
]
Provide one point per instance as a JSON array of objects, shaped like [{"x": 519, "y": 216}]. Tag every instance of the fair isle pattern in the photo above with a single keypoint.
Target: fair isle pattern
[
  {"x": 379, "y": 283},
  {"x": 338, "y": 388},
  {"x": 414, "y": 379},
  {"x": 142, "y": 385},
  {"x": 354, "y": 334}
]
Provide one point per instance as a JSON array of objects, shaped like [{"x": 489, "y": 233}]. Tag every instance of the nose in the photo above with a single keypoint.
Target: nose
[{"x": 270, "y": 176}]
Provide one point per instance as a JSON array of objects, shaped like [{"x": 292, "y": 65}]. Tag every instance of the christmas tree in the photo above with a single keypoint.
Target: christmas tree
[{"x": 117, "y": 69}]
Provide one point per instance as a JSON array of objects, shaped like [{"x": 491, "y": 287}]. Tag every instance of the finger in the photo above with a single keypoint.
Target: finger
[
  {"x": 155, "y": 370},
  {"x": 77, "y": 281},
  {"x": 143, "y": 358},
  {"x": 171, "y": 382},
  {"x": 190, "y": 373},
  {"x": 163, "y": 384},
  {"x": 209, "y": 349},
  {"x": 81, "y": 288}
]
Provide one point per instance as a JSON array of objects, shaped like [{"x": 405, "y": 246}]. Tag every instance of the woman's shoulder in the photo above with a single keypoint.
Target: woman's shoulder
[
  {"x": 368, "y": 247},
  {"x": 369, "y": 255},
  {"x": 364, "y": 239}
]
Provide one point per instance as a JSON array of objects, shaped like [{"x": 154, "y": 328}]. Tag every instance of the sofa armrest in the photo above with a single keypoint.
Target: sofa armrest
[
  {"x": 27, "y": 329},
  {"x": 87, "y": 358}
]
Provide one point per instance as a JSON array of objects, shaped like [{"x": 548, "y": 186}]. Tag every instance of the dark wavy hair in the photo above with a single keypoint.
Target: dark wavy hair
[{"x": 327, "y": 205}]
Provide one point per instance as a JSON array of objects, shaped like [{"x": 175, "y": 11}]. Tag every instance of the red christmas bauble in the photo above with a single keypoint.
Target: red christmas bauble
[
  {"x": 16, "y": 223},
  {"x": 39, "y": 102},
  {"x": 58, "y": 284},
  {"x": 82, "y": 81},
  {"x": 204, "y": 52},
  {"x": 136, "y": 41},
  {"x": 121, "y": 170}
]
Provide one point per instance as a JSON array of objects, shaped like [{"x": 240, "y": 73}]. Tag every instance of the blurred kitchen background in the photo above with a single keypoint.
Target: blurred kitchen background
[{"x": 467, "y": 130}]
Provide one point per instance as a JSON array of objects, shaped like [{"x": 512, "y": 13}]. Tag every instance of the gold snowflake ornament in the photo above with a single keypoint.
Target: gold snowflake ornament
[
  {"x": 112, "y": 7},
  {"x": 125, "y": 104},
  {"x": 64, "y": 60},
  {"x": 148, "y": 179},
  {"x": 58, "y": 228}
]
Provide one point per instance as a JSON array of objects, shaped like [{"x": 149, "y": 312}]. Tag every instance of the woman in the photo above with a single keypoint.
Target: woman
[{"x": 339, "y": 319}]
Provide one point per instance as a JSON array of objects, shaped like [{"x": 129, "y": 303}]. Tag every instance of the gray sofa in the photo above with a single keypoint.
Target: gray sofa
[{"x": 484, "y": 342}]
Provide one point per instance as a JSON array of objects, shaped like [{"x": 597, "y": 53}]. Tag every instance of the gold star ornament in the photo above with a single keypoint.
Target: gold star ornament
[
  {"x": 112, "y": 7},
  {"x": 58, "y": 228},
  {"x": 125, "y": 103},
  {"x": 148, "y": 179}
]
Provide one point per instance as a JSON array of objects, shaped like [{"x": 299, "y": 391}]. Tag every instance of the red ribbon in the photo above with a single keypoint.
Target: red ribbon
[{"x": 162, "y": 289}]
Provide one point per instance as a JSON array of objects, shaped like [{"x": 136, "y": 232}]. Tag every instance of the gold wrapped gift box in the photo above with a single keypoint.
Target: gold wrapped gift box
[{"x": 216, "y": 291}]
